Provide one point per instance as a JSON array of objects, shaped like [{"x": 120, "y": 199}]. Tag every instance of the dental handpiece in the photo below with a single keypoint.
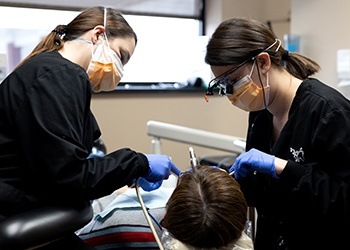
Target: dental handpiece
[{"x": 193, "y": 159}]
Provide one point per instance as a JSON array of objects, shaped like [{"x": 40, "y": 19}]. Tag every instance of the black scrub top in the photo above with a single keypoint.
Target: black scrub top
[
  {"x": 47, "y": 131},
  {"x": 309, "y": 204}
]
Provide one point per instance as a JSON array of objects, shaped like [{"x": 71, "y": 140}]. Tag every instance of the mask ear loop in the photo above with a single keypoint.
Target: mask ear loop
[
  {"x": 120, "y": 64},
  {"x": 105, "y": 25},
  {"x": 267, "y": 75},
  {"x": 262, "y": 86},
  {"x": 251, "y": 71},
  {"x": 273, "y": 44}
]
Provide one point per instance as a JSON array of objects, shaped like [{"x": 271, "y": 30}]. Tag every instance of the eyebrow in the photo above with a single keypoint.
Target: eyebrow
[
  {"x": 126, "y": 55},
  {"x": 233, "y": 69}
]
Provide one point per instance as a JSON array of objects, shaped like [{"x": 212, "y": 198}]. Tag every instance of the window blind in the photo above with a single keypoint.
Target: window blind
[{"x": 170, "y": 8}]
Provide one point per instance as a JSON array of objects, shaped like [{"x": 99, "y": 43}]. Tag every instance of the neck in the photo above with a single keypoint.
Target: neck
[
  {"x": 285, "y": 87},
  {"x": 77, "y": 51}
]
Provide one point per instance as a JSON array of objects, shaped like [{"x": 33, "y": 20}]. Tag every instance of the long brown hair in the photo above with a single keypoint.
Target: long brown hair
[
  {"x": 237, "y": 39},
  {"x": 207, "y": 209},
  {"x": 116, "y": 26}
]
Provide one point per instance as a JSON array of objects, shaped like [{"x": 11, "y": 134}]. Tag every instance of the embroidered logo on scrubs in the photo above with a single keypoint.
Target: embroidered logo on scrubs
[{"x": 298, "y": 154}]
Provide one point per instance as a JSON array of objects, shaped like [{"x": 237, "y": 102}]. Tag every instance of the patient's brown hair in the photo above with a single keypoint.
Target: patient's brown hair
[{"x": 207, "y": 209}]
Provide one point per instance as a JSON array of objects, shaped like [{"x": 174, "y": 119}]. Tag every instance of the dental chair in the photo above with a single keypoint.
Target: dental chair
[{"x": 36, "y": 228}]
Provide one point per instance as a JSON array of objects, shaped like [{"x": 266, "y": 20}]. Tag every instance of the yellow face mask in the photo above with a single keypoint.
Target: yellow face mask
[
  {"x": 105, "y": 69},
  {"x": 249, "y": 96}
]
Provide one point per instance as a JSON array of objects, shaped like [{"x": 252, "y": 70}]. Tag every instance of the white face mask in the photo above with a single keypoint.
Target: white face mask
[{"x": 248, "y": 96}]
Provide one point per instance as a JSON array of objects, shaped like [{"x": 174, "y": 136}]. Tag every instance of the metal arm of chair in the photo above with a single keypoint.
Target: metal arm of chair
[{"x": 161, "y": 130}]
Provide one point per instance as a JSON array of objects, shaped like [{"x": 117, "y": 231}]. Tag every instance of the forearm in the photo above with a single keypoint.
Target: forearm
[{"x": 280, "y": 164}]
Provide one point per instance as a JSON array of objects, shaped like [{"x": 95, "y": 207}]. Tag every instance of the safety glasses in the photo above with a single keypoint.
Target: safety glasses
[{"x": 221, "y": 82}]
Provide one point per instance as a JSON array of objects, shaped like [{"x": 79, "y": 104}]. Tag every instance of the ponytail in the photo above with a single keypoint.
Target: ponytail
[
  {"x": 299, "y": 66},
  {"x": 53, "y": 41}
]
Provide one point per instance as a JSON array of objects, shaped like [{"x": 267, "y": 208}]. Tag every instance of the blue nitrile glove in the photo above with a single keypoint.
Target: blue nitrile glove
[
  {"x": 160, "y": 167},
  {"x": 149, "y": 186},
  {"x": 254, "y": 160},
  {"x": 175, "y": 170}
]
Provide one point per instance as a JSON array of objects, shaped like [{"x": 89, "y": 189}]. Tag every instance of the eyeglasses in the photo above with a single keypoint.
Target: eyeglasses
[{"x": 221, "y": 81}]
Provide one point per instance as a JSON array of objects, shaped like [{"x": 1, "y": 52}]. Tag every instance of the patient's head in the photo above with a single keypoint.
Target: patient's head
[{"x": 207, "y": 209}]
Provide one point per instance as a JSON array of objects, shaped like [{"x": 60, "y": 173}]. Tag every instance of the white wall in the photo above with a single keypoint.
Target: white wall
[
  {"x": 123, "y": 118},
  {"x": 276, "y": 11},
  {"x": 323, "y": 26}
]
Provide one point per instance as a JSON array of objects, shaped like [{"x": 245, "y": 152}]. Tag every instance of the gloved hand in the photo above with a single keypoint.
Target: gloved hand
[
  {"x": 254, "y": 160},
  {"x": 149, "y": 186},
  {"x": 175, "y": 170},
  {"x": 160, "y": 167}
]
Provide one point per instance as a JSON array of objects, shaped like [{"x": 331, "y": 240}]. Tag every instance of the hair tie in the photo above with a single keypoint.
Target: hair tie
[
  {"x": 61, "y": 31},
  {"x": 285, "y": 55}
]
